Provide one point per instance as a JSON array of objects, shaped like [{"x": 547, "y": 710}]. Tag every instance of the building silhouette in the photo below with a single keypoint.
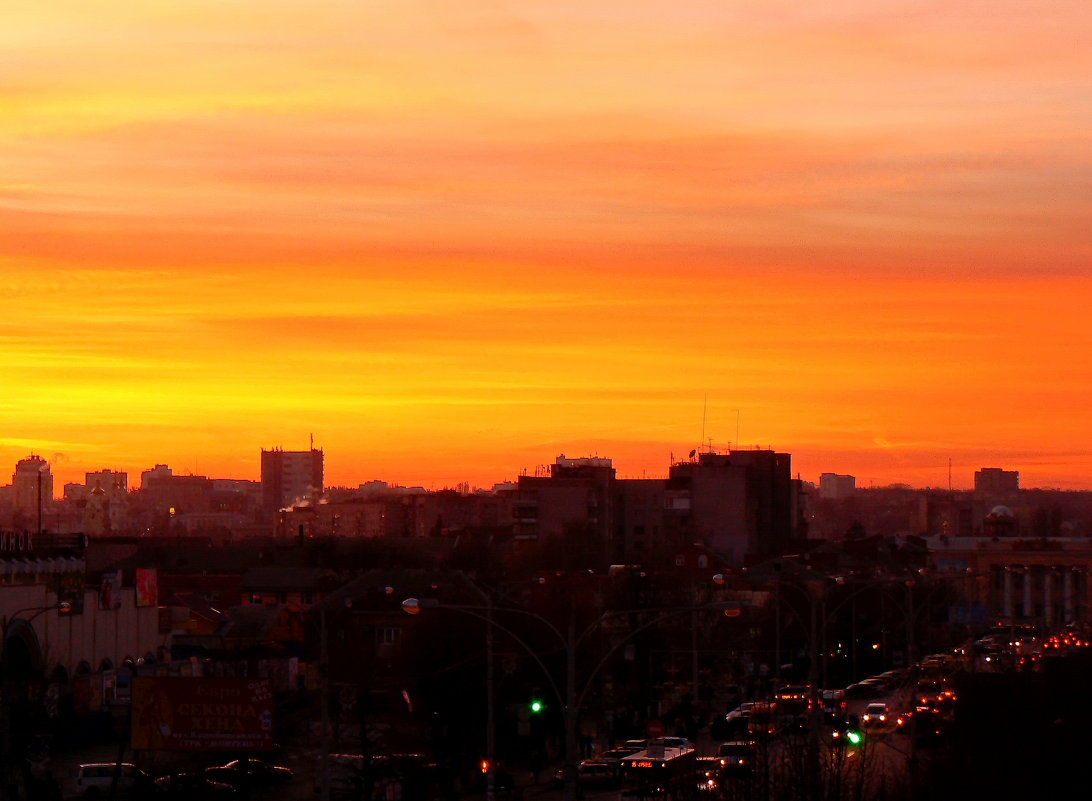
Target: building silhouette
[
  {"x": 738, "y": 505},
  {"x": 32, "y": 488},
  {"x": 995, "y": 482},
  {"x": 833, "y": 486},
  {"x": 741, "y": 503},
  {"x": 289, "y": 476}
]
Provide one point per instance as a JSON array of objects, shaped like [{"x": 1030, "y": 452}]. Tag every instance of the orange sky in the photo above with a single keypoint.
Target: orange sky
[{"x": 454, "y": 240}]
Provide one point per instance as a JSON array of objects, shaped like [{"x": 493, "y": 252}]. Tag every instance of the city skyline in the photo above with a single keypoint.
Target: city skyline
[
  {"x": 69, "y": 475},
  {"x": 452, "y": 241}
]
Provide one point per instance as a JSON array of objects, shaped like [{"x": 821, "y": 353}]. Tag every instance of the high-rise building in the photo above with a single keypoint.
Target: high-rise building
[
  {"x": 994, "y": 481},
  {"x": 575, "y": 496},
  {"x": 740, "y": 504},
  {"x": 32, "y": 484},
  {"x": 290, "y": 476},
  {"x": 833, "y": 486}
]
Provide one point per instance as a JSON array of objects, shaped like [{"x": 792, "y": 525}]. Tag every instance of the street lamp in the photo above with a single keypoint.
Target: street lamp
[{"x": 570, "y": 698}]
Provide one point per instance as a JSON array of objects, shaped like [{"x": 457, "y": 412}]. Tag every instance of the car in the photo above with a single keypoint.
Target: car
[
  {"x": 863, "y": 691},
  {"x": 929, "y": 690},
  {"x": 875, "y": 716},
  {"x": 249, "y": 774},
  {"x": 593, "y": 773},
  {"x": 736, "y": 756},
  {"x": 95, "y": 780},
  {"x": 192, "y": 787},
  {"x": 708, "y": 770},
  {"x": 832, "y": 700},
  {"x": 741, "y": 711},
  {"x": 590, "y": 774}
]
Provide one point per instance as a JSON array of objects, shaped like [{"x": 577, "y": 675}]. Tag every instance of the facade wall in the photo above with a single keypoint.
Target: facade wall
[
  {"x": 93, "y": 635},
  {"x": 1022, "y": 582},
  {"x": 640, "y": 517}
]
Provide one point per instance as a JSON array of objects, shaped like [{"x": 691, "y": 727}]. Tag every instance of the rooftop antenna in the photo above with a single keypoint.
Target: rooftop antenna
[
  {"x": 737, "y": 426},
  {"x": 312, "y": 441}
]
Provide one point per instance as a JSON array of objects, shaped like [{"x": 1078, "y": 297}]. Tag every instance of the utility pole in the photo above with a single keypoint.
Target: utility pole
[
  {"x": 324, "y": 735},
  {"x": 909, "y": 621},
  {"x": 570, "y": 711},
  {"x": 490, "y": 726}
]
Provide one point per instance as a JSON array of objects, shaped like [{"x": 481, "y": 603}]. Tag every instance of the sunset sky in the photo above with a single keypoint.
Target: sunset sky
[{"x": 456, "y": 239}]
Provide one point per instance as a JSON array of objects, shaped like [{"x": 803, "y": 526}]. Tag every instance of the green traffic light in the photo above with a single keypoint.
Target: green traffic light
[
  {"x": 854, "y": 737},
  {"x": 536, "y": 706}
]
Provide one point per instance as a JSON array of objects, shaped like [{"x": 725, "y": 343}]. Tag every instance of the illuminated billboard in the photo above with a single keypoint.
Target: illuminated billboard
[
  {"x": 200, "y": 714},
  {"x": 147, "y": 586}
]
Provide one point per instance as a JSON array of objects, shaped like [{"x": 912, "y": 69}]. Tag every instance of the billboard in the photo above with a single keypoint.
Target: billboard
[
  {"x": 147, "y": 586},
  {"x": 200, "y": 714},
  {"x": 110, "y": 590},
  {"x": 69, "y": 589}
]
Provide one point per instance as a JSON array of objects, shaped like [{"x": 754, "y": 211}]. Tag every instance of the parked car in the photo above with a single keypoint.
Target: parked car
[
  {"x": 249, "y": 773},
  {"x": 192, "y": 787},
  {"x": 864, "y": 690},
  {"x": 95, "y": 779},
  {"x": 741, "y": 711}
]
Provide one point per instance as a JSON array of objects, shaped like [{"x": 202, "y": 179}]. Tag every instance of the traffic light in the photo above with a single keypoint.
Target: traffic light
[
  {"x": 535, "y": 706},
  {"x": 847, "y": 736},
  {"x": 485, "y": 766}
]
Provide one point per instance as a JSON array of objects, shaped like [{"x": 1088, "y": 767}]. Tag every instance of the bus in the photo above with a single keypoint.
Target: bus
[
  {"x": 793, "y": 706},
  {"x": 666, "y": 769},
  {"x": 763, "y": 720}
]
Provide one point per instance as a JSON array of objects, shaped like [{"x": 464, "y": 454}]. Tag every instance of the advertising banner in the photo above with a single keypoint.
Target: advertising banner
[
  {"x": 110, "y": 590},
  {"x": 176, "y": 713},
  {"x": 69, "y": 589},
  {"x": 147, "y": 586}
]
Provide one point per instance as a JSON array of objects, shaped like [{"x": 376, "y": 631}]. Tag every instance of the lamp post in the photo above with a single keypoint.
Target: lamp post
[
  {"x": 7, "y": 702},
  {"x": 568, "y": 695}
]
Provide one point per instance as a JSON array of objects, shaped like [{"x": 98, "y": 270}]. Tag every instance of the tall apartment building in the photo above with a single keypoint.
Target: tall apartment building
[
  {"x": 740, "y": 504},
  {"x": 32, "y": 485},
  {"x": 290, "y": 476},
  {"x": 833, "y": 486},
  {"x": 577, "y": 493},
  {"x": 994, "y": 481}
]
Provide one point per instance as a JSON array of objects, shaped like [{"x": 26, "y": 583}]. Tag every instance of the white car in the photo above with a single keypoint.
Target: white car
[
  {"x": 95, "y": 779},
  {"x": 875, "y": 716},
  {"x": 741, "y": 711}
]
